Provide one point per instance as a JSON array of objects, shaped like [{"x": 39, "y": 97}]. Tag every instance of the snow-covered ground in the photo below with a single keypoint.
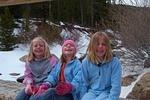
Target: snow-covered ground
[{"x": 10, "y": 63}]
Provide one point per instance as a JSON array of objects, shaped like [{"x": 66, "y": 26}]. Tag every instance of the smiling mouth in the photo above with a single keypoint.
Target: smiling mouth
[
  {"x": 69, "y": 50},
  {"x": 100, "y": 51}
]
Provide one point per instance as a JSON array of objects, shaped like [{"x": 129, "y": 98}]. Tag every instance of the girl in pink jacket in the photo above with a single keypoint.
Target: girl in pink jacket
[{"x": 39, "y": 64}]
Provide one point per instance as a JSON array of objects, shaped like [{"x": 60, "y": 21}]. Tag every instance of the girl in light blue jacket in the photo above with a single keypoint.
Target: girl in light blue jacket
[
  {"x": 63, "y": 81},
  {"x": 101, "y": 72}
]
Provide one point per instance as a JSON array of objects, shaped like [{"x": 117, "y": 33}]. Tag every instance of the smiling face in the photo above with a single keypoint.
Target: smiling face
[
  {"x": 38, "y": 48},
  {"x": 101, "y": 49},
  {"x": 68, "y": 49}
]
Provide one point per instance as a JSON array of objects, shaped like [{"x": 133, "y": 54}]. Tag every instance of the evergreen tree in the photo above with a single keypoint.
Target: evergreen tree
[{"x": 7, "y": 37}]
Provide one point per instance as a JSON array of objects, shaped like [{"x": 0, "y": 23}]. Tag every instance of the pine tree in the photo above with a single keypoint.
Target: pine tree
[{"x": 7, "y": 37}]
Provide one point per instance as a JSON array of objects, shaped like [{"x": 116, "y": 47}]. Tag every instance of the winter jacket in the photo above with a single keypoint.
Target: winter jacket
[
  {"x": 71, "y": 74},
  {"x": 38, "y": 69},
  {"x": 102, "y": 78}
]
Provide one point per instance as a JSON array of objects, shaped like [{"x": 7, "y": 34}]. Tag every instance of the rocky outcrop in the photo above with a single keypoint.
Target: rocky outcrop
[
  {"x": 141, "y": 90},
  {"x": 9, "y": 89},
  {"x": 127, "y": 80},
  {"x": 147, "y": 63}
]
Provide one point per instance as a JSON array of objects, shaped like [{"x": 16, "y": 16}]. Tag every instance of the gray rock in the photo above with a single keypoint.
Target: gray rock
[
  {"x": 9, "y": 89},
  {"x": 141, "y": 90},
  {"x": 147, "y": 63}
]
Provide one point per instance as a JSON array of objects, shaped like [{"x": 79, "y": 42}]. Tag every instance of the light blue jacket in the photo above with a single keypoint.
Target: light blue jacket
[
  {"x": 72, "y": 75},
  {"x": 102, "y": 78}
]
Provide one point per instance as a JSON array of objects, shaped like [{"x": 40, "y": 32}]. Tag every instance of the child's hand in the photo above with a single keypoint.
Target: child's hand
[
  {"x": 63, "y": 88},
  {"x": 28, "y": 89},
  {"x": 42, "y": 88},
  {"x": 31, "y": 89}
]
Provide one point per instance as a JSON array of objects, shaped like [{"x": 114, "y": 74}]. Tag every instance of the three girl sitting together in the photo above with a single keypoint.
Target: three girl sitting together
[{"x": 47, "y": 78}]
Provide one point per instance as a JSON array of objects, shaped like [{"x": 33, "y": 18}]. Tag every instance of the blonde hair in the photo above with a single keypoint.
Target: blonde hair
[
  {"x": 47, "y": 53},
  {"x": 94, "y": 41}
]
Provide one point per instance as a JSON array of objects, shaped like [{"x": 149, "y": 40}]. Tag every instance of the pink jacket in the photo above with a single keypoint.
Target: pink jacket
[{"x": 37, "y": 71}]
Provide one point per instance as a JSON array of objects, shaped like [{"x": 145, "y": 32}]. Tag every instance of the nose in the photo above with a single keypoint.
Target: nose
[
  {"x": 68, "y": 45},
  {"x": 100, "y": 45},
  {"x": 38, "y": 46}
]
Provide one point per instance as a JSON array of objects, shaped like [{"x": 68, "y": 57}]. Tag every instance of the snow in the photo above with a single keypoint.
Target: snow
[
  {"x": 56, "y": 49},
  {"x": 10, "y": 63}
]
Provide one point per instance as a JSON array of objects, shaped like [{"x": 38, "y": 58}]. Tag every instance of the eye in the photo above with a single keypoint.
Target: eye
[
  {"x": 68, "y": 44},
  {"x": 35, "y": 45},
  {"x": 72, "y": 45},
  {"x": 103, "y": 44},
  {"x": 41, "y": 45}
]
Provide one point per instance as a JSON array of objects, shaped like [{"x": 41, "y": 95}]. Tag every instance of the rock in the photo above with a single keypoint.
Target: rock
[
  {"x": 20, "y": 79},
  {"x": 145, "y": 94},
  {"x": 23, "y": 58},
  {"x": 147, "y": 63},
  {"x": 14, "y": 74},
  {"x": 141, "y": 90},
  {"x": 9, "y": 89},
  {"x": 127, "y": 80},
  {"x": 0, "y": 73}
]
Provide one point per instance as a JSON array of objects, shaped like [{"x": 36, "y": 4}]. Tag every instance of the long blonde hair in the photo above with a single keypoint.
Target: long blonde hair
[
  {"x": 94, "y": 41},
  {"x": 47, "y": 53}
]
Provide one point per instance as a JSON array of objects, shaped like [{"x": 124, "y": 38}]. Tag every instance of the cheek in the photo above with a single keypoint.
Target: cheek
[
  {"x": 73, "y": 49},
  {"x": 63, "y": 49},
  {"x": 101, "y": 50}
]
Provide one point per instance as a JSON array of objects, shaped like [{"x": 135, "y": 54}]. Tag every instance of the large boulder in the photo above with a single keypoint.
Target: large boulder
[
  {"x": 127, "y": 80},
  {"x": 141, "y": 90},
  {"x": 9, "y": 89}
]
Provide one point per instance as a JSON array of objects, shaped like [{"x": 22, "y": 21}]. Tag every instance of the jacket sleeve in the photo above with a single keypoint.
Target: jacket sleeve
[
  {"x": 84, "y": 83},
  {"x": 28, "y": 75},
  {"x": 77, "y": 76},
  {"x": 52, "y": 77},
  {"x": 115, "y": 80},
  {"x": 53, "y": 60}
]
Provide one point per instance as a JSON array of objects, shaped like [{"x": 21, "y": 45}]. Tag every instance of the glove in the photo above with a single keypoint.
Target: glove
[
  {"x": 42, "y": 88},
  {"x": 63, "y": 88},
  {"x": 35, "y": 89}
]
